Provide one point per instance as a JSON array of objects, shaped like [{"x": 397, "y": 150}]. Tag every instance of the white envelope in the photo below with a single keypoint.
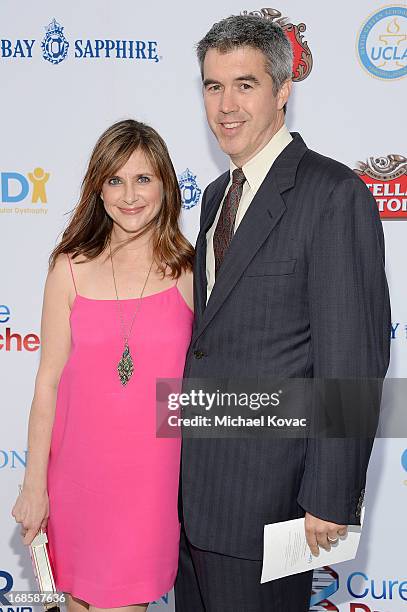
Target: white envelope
[{"x": 286, "y": 551}]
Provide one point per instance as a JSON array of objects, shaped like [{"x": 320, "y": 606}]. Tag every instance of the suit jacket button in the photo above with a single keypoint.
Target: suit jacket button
[{"x": 199, "y": 354}]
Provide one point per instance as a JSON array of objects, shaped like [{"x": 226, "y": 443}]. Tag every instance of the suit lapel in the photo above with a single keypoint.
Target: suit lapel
[
  {"x": 215, "y": 201},
  {"x": 262, "y": 216},
  {"x": 200, "y": 284}
]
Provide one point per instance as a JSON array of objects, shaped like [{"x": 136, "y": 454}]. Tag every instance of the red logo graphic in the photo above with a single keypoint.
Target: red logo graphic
[
  {"x": 302, "y": 65},
  {"x": 386, "y": 178},
  {"x": 11, "y": 341}
]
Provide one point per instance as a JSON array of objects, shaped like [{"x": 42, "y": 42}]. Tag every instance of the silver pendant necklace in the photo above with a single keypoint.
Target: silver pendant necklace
[{"x": 125, "y": 367}]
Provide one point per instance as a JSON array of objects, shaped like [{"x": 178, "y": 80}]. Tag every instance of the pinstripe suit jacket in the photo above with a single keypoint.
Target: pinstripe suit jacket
[{"x": 301, "y": 292}]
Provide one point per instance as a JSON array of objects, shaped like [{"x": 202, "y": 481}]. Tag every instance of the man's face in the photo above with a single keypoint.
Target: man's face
[{"x": 241, "y": 108}]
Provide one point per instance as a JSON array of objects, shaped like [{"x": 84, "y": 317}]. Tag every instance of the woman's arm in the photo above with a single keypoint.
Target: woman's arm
[
  {"x": 186, "y": 287},
  {"x": 31, "y": 507}
]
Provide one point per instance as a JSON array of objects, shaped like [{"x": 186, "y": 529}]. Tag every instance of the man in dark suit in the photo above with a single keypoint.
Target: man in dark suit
[{"x": 289, "y": 282}]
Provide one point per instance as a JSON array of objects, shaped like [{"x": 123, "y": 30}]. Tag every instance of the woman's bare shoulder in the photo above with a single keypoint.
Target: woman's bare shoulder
[
  {"x": 58, "y": 273},
  {"x": 186, "y": 287},
  {"x": 61, "y": 276}
]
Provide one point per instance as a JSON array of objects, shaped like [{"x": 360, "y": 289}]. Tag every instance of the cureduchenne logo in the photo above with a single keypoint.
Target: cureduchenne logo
[
  {"x": 325, "y": 584},
  {"x": 11, "y": 341},
  {"x": 362, "y": 587},
  {"x": 55, "y": 47}
]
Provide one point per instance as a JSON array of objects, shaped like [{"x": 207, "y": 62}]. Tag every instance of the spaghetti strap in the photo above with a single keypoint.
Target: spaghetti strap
[{"x": 73, "y": 278}]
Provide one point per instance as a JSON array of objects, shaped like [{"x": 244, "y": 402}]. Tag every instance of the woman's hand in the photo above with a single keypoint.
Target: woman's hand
[{"x": 32, "y": 511}]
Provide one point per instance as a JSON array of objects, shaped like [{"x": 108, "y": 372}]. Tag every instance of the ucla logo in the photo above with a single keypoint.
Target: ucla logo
[
  {"x": 382, "y": 43},
  {"x": 54, "y": 45},
  {"x": 190, "y": 192}
]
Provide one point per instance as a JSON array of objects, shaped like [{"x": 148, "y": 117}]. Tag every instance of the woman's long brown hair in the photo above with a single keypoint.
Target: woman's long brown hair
[{"x": 89, "y": 229}]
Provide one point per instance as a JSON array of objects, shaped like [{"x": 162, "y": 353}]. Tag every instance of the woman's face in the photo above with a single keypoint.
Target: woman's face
[{"x": 133, "y": 195}]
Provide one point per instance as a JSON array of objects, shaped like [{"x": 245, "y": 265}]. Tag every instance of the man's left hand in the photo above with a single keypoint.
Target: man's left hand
[{"x": 322, "y": 533}]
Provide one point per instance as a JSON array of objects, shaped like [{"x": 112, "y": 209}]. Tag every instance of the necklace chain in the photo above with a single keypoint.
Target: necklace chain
[{"x": 127, "y": 336}]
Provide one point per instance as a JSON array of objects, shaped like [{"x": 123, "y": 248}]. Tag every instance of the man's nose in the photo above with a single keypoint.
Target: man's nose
[{"x": 228, "y": 102}]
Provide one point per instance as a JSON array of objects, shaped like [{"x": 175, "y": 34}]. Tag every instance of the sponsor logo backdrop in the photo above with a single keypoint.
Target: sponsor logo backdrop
[{"x": 67, "y": 75}]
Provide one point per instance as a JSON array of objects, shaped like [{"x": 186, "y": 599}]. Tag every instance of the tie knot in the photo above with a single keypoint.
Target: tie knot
[{"x": 238, "y": 177}]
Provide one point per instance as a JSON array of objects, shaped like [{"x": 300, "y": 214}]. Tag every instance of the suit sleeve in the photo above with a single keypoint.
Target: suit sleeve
[{"x": 350, "y": 338}]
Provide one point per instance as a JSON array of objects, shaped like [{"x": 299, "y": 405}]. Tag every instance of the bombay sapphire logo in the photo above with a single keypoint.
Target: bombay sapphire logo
[
  {"x": 382, "y": 43},
  {"x": 54, "y": 45},
  {"x": 190, "y": 192}
]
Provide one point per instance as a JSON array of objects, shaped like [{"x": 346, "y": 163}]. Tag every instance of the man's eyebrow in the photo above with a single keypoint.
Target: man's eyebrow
[
  {"x": 207, "y": 82},
  {"x": 245, "y": 77},
  {"x": 248, "y": 77}
]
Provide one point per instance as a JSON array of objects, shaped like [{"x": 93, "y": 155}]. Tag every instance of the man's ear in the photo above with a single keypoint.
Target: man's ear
[{"x": 284, "y": 93}]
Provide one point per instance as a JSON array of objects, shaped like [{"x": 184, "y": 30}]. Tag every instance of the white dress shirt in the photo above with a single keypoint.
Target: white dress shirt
[{"x": 255, "y": 172}]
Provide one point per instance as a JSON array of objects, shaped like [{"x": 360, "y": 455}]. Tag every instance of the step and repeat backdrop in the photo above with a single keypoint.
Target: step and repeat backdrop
[{"x": 68, "y": 72}]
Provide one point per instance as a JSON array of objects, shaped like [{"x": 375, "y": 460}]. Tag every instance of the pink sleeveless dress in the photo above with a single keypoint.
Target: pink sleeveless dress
[{"x": 113, "y": 528}]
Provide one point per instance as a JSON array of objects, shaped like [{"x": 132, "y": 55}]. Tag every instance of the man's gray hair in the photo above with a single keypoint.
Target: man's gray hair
[{"x": 256, "y": 32}]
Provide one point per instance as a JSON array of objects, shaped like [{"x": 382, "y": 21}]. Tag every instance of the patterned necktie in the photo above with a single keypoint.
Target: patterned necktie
[{"x": 226, "y": 222}]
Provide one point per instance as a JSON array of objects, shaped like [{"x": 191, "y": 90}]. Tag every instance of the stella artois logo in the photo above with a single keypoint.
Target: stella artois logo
[
  {"x": 302, "y": 64},
  {"x": 386, "y": 178}
]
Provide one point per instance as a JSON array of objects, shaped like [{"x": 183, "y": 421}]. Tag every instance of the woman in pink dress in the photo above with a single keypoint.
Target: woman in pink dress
[{"x": 117, "y": 315}]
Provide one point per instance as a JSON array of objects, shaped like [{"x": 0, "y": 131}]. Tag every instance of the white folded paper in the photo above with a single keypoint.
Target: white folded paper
[{"x": 286, "y": 551}]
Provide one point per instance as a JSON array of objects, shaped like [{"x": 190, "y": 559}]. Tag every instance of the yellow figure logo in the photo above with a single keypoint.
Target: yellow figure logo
[{"x": 38, "y": 178}]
